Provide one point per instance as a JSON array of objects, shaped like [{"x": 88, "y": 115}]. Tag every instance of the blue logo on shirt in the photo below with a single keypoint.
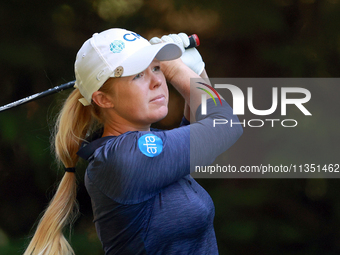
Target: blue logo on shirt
[{"x": 150, "y": 145}]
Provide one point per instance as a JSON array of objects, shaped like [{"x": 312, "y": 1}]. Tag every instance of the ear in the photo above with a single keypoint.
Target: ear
[{"x": 102, "y": 99}]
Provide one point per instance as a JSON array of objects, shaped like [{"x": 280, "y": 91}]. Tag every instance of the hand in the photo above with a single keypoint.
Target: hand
[{"x": 190, "y": 57}]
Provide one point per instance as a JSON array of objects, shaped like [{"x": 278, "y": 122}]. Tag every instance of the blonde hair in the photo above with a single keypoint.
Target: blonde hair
[{"x": 73, "y": 123}]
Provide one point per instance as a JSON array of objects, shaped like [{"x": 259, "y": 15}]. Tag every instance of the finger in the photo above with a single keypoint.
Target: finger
[
  {"x": 155, "y": 40},
  {"x": 185, "y": 39},
  {"x": 175, "y": 39}
]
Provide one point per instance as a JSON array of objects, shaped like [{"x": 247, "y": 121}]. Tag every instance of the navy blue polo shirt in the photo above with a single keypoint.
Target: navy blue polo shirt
[{"x": 143, "y": 198}]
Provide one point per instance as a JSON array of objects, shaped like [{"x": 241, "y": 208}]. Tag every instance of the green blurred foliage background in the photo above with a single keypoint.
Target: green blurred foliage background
[{"x": 239, "y": 38}]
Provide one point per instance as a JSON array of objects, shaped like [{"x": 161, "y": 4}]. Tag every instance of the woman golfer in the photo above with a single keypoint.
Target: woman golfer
[{"x": 143, "y": 198}]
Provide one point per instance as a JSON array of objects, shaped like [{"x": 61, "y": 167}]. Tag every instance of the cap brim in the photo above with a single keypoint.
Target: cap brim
[{"x": 142, "y": 58}]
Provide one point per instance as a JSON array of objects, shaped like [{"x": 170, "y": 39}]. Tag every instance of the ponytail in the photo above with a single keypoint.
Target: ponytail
[{"x": 72, "y": 125}]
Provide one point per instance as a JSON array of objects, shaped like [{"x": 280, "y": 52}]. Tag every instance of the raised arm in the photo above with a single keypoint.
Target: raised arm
[
  {"x": 187, "y": 104},
  {"x": 192, "y": 59},
  {"x": 179, "y": 75}
]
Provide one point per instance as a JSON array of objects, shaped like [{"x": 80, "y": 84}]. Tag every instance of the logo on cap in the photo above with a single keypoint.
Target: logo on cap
[
  {"x": 131, "y": 37},
  {"x": 117, "y": 46}
]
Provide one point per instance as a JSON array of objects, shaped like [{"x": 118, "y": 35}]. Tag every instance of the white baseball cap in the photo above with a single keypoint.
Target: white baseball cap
[{"x": 116, "y": 53}]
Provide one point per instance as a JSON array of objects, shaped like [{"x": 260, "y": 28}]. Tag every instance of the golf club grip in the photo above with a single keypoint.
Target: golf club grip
[{"x": 193, "y": 40}]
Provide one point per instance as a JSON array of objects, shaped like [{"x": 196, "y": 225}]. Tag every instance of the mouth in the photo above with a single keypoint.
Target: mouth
[{"x": 158, "y": 99}]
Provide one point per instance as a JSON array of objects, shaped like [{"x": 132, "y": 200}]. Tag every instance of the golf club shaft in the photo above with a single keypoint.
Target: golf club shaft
[
  {"x": 37, "y": 96},
  {"x": 194, "y": 42}
]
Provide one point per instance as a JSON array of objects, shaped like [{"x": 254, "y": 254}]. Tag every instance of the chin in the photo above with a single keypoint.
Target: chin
[{"x": 161, "y": 114}]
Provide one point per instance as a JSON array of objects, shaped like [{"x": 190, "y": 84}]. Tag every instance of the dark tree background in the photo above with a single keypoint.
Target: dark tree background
[{"x": 239, "y": 38}]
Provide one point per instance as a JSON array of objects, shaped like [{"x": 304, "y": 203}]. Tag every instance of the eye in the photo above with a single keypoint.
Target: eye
[
  {"x": 138, "y": 76},
  {"x": 156, "y": 68}
]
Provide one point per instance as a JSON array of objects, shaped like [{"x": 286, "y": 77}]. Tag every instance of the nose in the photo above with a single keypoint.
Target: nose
[{"x": 155, "y": 80}]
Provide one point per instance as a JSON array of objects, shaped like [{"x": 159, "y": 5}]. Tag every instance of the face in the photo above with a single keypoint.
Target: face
[{"x": 141, "y": 99}]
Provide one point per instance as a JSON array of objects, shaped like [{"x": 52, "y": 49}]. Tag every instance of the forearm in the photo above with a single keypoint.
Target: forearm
[
  {"x": 179, "y": 75},
  {"x": 192, "y": 96},
  {"x": 187, "y": 111},
  {"x": 203, "y": 75}
]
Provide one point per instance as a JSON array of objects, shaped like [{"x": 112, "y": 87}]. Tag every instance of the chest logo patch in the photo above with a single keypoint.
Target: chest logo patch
[{"x": 150, "y": 145}]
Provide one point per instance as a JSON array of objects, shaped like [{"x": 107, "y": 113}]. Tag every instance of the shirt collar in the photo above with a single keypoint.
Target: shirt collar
[{"x": 92, "y": 143}]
